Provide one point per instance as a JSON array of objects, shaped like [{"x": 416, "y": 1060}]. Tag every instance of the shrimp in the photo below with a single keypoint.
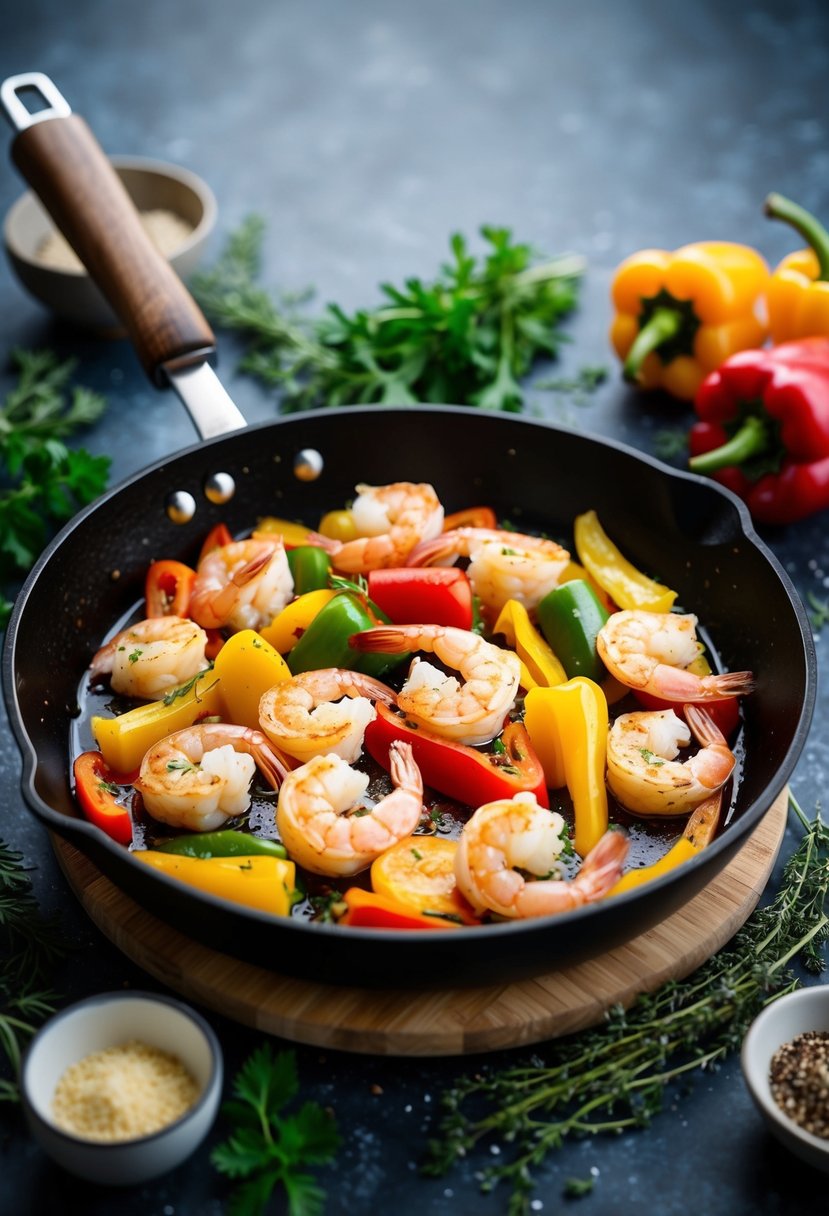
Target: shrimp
[
  {"x": 242, "y": 585},
  {"x": 151, "y": 657},
  {"x": 504, "y": 566},
  {"x": 648, "y": 651},
  {"x": 325, "y": 827},
  {"x": 301, "y": 717},
  {"x": 470, "y": 712},
  {"x": 391, "y": 520},
  {"x": 198, "y": 778},
  {"x": 513, "y": 834},
  {"x": 643, "y": 772}
]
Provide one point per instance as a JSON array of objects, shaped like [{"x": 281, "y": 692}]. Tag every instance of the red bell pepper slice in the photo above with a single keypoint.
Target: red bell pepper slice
[
  {"x": 216, "y": 538},
  {"x": 725, "y": 713},
  {"x": 471, "y": 517},
  {"x": 167, "y": 588},
  {"x": 96, "y": 788},
  {"x": 464, "y": 773},
  {"x": 423, "y": 595},
  {"x": 369, "y": 911}
]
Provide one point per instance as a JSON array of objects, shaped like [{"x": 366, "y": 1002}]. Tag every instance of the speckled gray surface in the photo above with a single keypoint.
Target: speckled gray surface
[{"x": 366, "y": 132}]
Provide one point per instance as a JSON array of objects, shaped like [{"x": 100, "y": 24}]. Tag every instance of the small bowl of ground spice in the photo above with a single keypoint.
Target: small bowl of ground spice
[
  {"x": 785, "y": 1060},
  {"x": 122, "y": 1087},
  {"x": 177, "y": 209}
]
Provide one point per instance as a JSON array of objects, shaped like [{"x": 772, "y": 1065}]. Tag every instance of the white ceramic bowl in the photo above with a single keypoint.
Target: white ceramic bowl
[
  {"x": 783, "y": 1020},
  {"x": 151, "y": 184},
  {"x": 106, "y": 1021}
]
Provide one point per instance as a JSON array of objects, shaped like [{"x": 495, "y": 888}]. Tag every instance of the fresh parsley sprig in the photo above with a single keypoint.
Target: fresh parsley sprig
[
  {"x": 468, "y": 336},
  {"x": 42, "y": 481},
  {"x": 612, "y": 1079},
  {"x": 269, "y": 1147}
]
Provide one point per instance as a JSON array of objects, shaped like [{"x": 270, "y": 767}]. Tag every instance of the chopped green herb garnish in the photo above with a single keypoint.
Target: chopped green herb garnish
[
  {"x": 650, "y": 758},
  {"x": 182, "y": 766},
  {"x": 418, "y": 856},
  {"x": 135, "y": 656},
  {"x": 109, "y": 787}
]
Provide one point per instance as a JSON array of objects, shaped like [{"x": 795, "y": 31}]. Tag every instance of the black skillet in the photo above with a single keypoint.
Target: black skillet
[{"x": 697, "y": 537}]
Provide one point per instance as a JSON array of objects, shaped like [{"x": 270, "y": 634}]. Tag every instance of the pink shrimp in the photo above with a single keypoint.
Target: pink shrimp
[
  {"x": 242, "y": 585},
  {"x": 151, "y": 657},
  {"x": 391, "y": 520}
]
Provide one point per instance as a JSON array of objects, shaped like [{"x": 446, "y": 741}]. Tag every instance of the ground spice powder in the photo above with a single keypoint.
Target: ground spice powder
[
  {"x": 122, "y": 1092},
  {"x": 799, "y": 1077}
]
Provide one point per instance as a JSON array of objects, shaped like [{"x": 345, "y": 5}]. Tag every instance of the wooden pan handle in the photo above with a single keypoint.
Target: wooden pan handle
[{"x": 66, "y": 167}]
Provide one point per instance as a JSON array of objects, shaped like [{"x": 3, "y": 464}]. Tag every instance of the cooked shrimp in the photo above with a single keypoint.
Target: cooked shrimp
[
  {"x": 469, "y": 712},
  {"x": 643, "y": 772},
  {"x": 391, "y": 520},
  {"x": 198, "y": 778},
  {"x": 504, "y": 566},
  {"x": 649, "y": 651},
  {"x": 513, "y": 834},
  {"x": 325, "y": 827},
  {"x": 304, "y": 716},
  {"x": 151, "y": 657},
  {"x": 242, "y": 585}
]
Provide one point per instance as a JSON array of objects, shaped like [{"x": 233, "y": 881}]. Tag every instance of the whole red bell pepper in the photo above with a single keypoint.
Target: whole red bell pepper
[
  {"x": 466, "y": 774},
  {"x": 764, "y": 429}
]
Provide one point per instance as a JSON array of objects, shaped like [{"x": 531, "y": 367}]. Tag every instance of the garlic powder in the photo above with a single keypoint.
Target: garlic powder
[{"x": 123, "y": 1092}]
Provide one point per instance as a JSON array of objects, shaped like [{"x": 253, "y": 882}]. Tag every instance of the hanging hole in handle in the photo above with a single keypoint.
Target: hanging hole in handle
[{"x": 32, "y": 86}]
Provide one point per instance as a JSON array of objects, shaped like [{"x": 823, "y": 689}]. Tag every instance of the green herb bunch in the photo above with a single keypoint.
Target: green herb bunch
[
  {"x": 268, "y": 1146},
  {"x": 467, "y": 337},
  {"x": 42, "y": 481},
  {"x": 613, "y": 1078},
  {"x": 29, "y": 944}
]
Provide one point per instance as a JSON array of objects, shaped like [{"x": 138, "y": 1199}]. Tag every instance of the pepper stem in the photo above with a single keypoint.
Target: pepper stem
[
  {"x": 752, "y": 439},
  {"x": 662, "y": 325},
  {"x": 810, "y": 228}
]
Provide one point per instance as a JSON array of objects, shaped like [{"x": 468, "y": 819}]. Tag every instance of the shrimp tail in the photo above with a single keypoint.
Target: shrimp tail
[
  {"x": 381, "y": 640},
  {"x": 729, "y": 684},
  {"x": 269, "y": 761},
  {"x": 331, "y": 546},
  {"x": 706, "y": 732},
  {"x": 404, "y": 770},
  {"x": 602, "y": 867},
  {"x": 432, "y": 552}
]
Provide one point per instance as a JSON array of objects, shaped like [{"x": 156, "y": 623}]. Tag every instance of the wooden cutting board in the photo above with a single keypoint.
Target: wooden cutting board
[{"x": 445, "y": 1022}]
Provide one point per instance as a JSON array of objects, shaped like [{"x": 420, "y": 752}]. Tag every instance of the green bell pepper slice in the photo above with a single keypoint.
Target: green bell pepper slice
[
  {"x": 325, "y": 642},
  {"x": 310, "y": 567},
  {"x": 222, "y": 844},
  {"x": 570, "y": 617}
]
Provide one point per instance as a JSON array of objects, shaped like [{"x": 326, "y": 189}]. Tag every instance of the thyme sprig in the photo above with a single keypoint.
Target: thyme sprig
[
  {"x": 467, "y": 336},
  {"x": 613, "y": 1078},
  {"x": 29, "y": 944}
]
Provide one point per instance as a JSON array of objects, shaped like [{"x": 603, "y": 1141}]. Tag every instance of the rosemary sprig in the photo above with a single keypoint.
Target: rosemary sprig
[
  {"x": 468, "y": 336},
  {"x": 29, "y": 944},
  {"x": 612, "y": 1079}
]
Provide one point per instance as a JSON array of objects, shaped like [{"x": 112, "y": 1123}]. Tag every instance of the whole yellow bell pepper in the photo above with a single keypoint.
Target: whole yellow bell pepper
[
  {"x": 626, "y": 586},
  {"x": 699, "y": 832},
  {"x": 247, "y": 666},
  {"x": 535, "y": 653},
  {"x": 286, "y": 629},
  {"x": 567, "y": 726},
  {"x": 798, "y": 290},
  {"x": 124, "y": 740},
  {"x": 267, "y": 884},
  {"x": 680, "y": 315}
]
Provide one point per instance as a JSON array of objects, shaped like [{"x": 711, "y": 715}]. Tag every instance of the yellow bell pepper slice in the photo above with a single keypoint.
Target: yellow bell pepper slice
[
  {"x": 285, "y": 630},
  {"x": 124, "y": 740},
  {"x": 247, "y": 666},
  {"x": 626, "y": 586},
  {"x": 567, "y": 726},
  {"x": 699, "y": 832},
  {"x": 292, "y": 533},
  {"x": 267, "y": 884},
  {"x": 532, "y": 649}
]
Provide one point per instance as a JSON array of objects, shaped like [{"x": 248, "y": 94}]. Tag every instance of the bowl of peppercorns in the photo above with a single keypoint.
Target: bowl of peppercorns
[{"x": 785, "y": 1060}]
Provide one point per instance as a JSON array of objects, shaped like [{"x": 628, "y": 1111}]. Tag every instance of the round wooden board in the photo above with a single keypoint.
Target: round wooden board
[{"x": 434, "y": 1023}]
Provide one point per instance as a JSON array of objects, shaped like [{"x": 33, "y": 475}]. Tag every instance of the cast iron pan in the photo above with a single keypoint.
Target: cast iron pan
[{"x": 693, "y": 535}]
